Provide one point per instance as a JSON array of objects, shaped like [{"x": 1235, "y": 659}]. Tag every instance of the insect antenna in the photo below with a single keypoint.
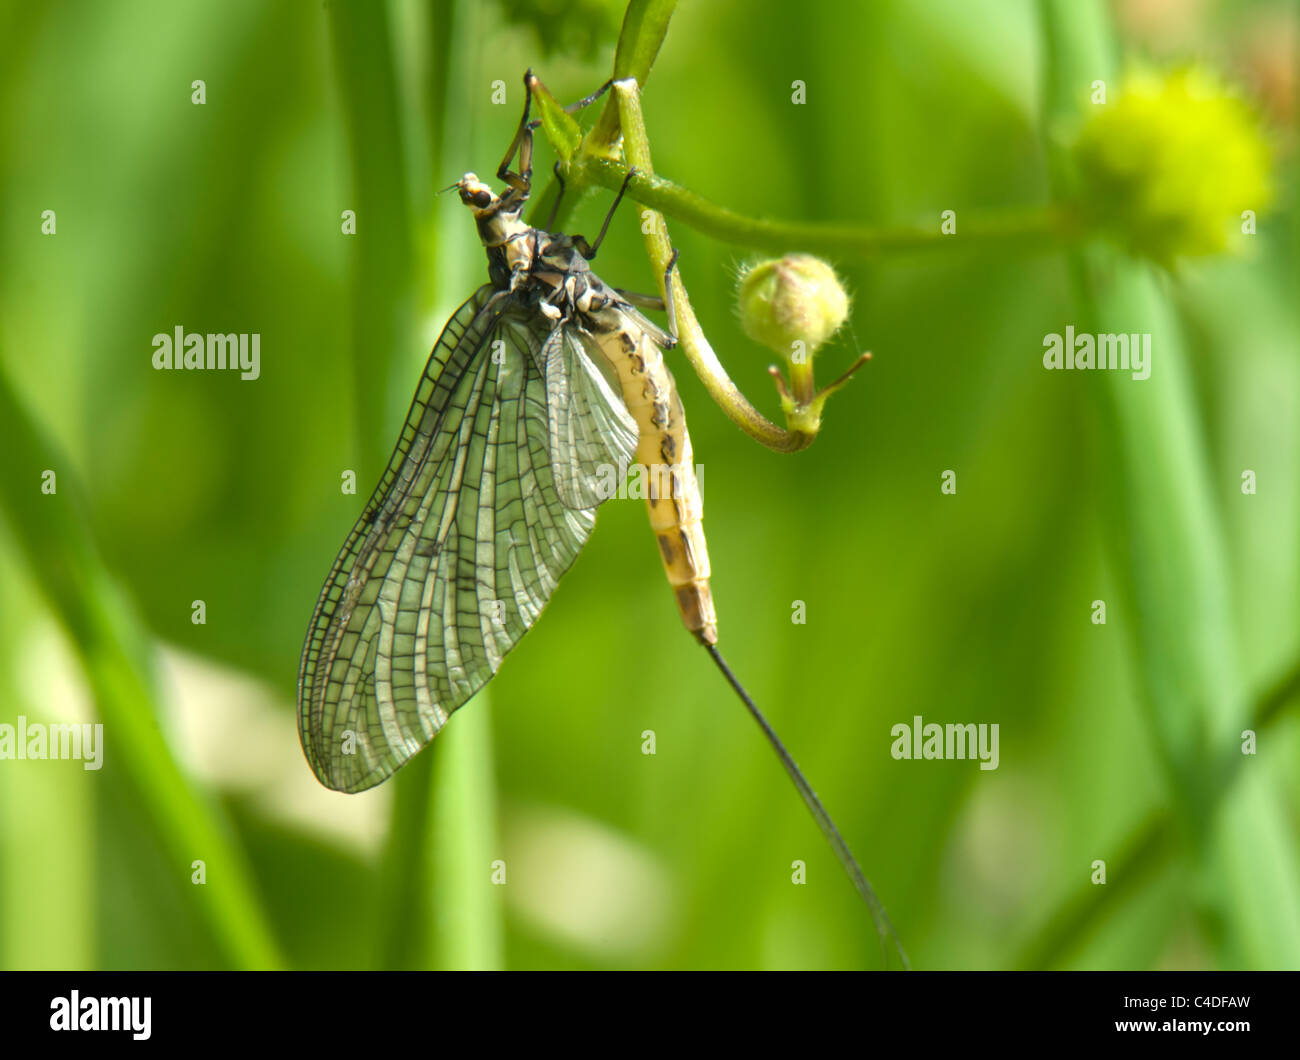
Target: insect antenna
[{"x": 849, "y": 863}]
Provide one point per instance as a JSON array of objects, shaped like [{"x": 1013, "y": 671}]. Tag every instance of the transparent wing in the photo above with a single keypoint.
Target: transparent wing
[
  {"x": 592, "y": 435},
  {"x": 452, "y": 560}
]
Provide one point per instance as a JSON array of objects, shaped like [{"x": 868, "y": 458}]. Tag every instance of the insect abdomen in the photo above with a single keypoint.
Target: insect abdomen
[{"x": 672, "y": 490}]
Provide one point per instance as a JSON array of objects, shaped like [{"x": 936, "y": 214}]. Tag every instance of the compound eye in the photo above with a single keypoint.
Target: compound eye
[{"x": 482, "y": 198}]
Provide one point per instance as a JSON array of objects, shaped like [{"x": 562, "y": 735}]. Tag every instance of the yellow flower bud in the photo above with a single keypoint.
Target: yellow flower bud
[
  {"x": 792, "y": 305},
  {"x": 1171, "y": 165}
]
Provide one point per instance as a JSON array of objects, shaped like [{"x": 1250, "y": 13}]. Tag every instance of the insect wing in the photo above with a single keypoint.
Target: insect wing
[
  {"x": 592, "y": 435},
  {"x": 452, "y": 560}
]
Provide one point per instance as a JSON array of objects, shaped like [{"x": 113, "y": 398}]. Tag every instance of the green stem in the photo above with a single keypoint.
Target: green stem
[
  {"x": 381, "y": 276},
  {"x": 468, "y": 921},
  {"x": 381, "y": 302},
  {"x": 116, "y": 656},
  {"x": 1281, "y": 693},
  {"x": 1144, "y": 854},
  {"x": 406, "y": 917},
  {"x": 458, "y": 835},
  {"x": 1024, "y": 229},
  {"x": 689, "y": 333},
  {"x": 416, "y": 886},
  {"x": 592, "y": 160},
  {"x": 1164, "y": 536},
  {"x": 645, "y": 24},
  {"x": 50, "y": 839},
  {"x": 1142, "y": 857}
]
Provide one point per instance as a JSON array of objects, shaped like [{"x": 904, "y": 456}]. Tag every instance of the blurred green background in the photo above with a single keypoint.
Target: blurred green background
[{"x": 1119, "y": 742}]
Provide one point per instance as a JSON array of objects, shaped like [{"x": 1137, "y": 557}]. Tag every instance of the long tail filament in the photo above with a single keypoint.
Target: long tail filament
[{"x": 884, "y": 928}]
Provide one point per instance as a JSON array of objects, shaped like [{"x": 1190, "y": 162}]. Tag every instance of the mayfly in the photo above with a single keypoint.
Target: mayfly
[{"x": 542, "y": 381}]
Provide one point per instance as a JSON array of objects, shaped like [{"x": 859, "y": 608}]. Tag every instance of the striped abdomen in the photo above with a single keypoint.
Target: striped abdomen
[{"x": 672, "y": 491}]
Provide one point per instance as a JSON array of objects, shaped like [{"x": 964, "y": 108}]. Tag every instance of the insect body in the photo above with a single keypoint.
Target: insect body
[
  {"x": 540, "y": 383},
  {"x": 623, "y": 342}
]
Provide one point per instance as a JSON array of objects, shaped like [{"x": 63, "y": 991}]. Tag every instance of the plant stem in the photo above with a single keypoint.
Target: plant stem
[
  {"x": 414, "y": 883},
  {"x": 644, "y": 26},
  {"x": 115, "y": 654},
  {"x": 1147, "y": 850},
  {"x": 592, "y": 160},
  {"x": 1168, "y": 550},
  {"x": 1025, "y": 229},
  {"x": 381, "y": 276},
  {"x": 689, "y": 333}
]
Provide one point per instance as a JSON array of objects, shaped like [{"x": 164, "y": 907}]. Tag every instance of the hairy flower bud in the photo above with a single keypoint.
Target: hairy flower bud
[
  {"x": 792, "y": 305},
  {"x": 1173, "y": 165}
]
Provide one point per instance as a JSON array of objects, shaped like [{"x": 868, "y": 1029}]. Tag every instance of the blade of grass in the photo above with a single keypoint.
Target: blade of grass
[
  {"x": 1166, "y": 539},
  {"x": 382, "y": 305},
  {"x": 469, "y": 926},
  {"x": 115, "y": 653},
  {"x": 47, "y": 822},
  {"x": 1146, "y": 852},
  {"x": 416, "y": 886}
]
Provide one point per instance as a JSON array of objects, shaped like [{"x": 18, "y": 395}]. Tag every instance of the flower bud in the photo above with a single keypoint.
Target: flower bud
[
  {"x": 793, "y": 300},
  {"x": 1172, "y": 164}
]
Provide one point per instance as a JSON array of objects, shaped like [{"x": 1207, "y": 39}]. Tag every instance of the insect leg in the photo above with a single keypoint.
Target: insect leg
[
  {"x": 523, "y": 141},
  {"x": 522, "y": 145},
  {"x": 555, "y": 206},
  {"x": 642, "y": 301},
  {"x": 588, "y": 250},
  {"x": 586, "y": 101},
  {"x": 669, "y": 308}
]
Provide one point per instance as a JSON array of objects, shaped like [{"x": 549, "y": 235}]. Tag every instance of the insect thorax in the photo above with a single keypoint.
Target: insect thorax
[{"x": 547, "y": 273}]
